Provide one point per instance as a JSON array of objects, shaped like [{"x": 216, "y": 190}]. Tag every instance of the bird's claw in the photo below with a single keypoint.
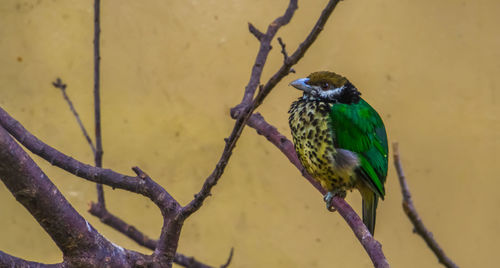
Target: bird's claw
[{"x": 330, "y": 195}]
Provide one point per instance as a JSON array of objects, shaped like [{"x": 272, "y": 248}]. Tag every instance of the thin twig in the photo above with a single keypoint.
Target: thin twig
[
  {"x": 283, "y": 48},
  {"x": 97, "y": 99},
  {"x": 285, "y": 54},
  {"x": 139, "y": 237},
  {"x": 121, "y": 226},
  {"x": 229, "y": 259},
  {"x": 60, "y": 85},
  {"x": 258, "y": 34},
  {"x": 372, "y": 246},
  {"x": 412, "y": 213}
]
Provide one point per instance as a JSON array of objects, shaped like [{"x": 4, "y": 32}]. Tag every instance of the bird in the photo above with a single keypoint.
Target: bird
[{"x": 340, "y": 140}]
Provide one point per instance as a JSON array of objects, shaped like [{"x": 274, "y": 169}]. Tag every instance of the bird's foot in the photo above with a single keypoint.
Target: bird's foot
[{"x": 330, "y": 195}]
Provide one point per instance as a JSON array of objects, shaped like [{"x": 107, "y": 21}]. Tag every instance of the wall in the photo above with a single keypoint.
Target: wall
[{"x": 172, "y": 69}]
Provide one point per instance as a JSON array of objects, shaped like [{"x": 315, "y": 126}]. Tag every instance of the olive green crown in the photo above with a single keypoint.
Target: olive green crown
[{"x": 336, "y": 80}]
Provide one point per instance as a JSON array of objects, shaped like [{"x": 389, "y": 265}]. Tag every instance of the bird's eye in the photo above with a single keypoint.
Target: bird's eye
[{"x": 325, "y": 85}]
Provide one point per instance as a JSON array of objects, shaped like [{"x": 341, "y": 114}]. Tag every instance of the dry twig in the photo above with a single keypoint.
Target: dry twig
[{"x": 412, "y": 213}]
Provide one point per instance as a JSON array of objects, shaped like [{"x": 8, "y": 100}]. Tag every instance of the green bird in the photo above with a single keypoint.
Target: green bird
[{"x": 340, "y": 139}]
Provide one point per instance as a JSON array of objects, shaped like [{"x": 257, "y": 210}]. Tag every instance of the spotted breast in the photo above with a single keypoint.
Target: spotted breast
[{"x": 314, "y": 144}]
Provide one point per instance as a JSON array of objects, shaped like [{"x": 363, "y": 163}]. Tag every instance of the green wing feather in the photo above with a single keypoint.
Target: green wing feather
[{"x": 359, "y": 128}]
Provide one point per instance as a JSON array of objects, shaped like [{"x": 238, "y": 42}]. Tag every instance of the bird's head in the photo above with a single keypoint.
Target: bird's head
[{"x": 327, "y": 86}]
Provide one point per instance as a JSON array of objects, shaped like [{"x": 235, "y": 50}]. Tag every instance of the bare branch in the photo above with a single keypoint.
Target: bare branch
[
  {"x": 147, "y": 187},
  {"x": 189, "y": 262},
  {"x": 7, "y": 260},
  {"x": 118, "y": 224},
  {"x": 74, "y": 236},
  {"x": 33, "y": 189},
  {"x": 258, "y": 34},
  {"x": 140, "y": 238},
  {"x": 283, "y": 48},
  {"x": 228, "y": 262},
  {"x": 299, "y": 53},
  {"x": 242, "y": 112},
  {"x": 260, "y": 61},
  {"x": 60, "y": 85},
  {"x": 372, "y": 246},
  {"x": 285, "y": 55},
  {"x": 97, "y": 99},
  {"x": 412, "y": 213}
]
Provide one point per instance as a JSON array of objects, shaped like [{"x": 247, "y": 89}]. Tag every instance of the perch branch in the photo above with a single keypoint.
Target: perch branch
[
  {"x": 412, "y": 213},
  {"x": 372, "y": 246}
]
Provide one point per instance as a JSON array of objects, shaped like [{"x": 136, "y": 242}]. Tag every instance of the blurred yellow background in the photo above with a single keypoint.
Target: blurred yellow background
[{"x": 171, "y": 70}]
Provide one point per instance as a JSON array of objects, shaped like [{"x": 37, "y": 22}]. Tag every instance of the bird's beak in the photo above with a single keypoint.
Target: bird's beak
[{"x": 301, "y": 84}]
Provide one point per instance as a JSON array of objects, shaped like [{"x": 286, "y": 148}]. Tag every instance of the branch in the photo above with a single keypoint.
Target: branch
[
  {"x": 79, "y": 242},
  {"x": 242, "y": 113},
  {"x": 97, "y": 99},
  {"x": 7, "y": 260},
  {"x": 258, "y": 34},
  {"x": 260, "y": 61},
  {"x": 60, "y": 85},
  {"x": 372, "y": 246},
  {"x": 244, "y": 110},
  {"x": 412, "y": 214},
  {"x": 121, "y": 226},
  {"x": 147, "y": 187},
  {"x": 33, "y": 189},
  {"x": 229, "y": 259},
  {"x": 299, "y": 53},
  {"x": 140, "y": 238}
]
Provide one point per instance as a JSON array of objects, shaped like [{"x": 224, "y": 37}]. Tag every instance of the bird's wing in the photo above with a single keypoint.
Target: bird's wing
[{"x": 359, "y": 128}]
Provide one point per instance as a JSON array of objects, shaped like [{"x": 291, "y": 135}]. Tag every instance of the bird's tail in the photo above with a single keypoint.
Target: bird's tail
[{"x": 370, "y": 201}]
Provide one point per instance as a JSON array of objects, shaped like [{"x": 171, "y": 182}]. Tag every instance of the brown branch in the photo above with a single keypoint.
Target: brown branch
[
  {"x": 260, "y": 61},
  {"x": 140, "y": 238},
  {"x": 299, "y": 53},
  {"x": 285, "y": 56},
  {"x": 60, "y": 85},
  {"x": 372, "y": 246},
  {"x": 242, "y": 113},
  {"x": 7, "y": 260},
  {"x": 229, "y": 259},
  {"x": 146, "y": 187},
  {"x": 258, "y": 123},
  {"x": 283, "y": 48},
  {"x": 412, "y": 213},
  {"x": 258, "y": 34},
  {"x": 121, "y": 226},
  {"x": 74, "y": 236},
  {"x": 97, "y": 99}
]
